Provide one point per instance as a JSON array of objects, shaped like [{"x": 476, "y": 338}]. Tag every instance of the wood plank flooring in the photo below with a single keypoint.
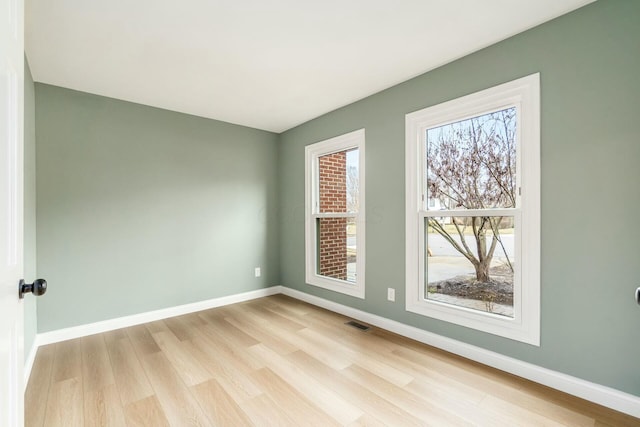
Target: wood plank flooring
[{"x": 278, "y": 361}]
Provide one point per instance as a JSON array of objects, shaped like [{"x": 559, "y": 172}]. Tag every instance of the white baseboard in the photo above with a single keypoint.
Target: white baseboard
[
  {"x": 136, "y": 319},
  {"x": 149, "y": 316},
  {"x": 602, "y": 395},
  {"x": 606, "y": 396}
]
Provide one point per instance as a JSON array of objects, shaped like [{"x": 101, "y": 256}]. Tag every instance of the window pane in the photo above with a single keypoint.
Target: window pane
[
  {"x": 470, "y": 262},
  {"x": 337, "y": 249},
  {"x": 339, "y": 182},
  {"x": 471, "y": 164}
]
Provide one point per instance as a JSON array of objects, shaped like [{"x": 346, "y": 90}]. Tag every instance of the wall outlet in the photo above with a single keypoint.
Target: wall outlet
[
  {"x": 258, "y": 272},
  {"x": 391, "y": 294}
]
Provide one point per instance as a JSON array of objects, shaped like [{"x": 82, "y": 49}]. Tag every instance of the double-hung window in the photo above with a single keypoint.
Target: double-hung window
[
  {"x": 473, "y": 211},
  {"x": 334, "y": 234}
]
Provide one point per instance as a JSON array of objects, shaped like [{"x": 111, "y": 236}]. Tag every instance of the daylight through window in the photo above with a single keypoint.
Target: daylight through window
[
  {"x": 335, "y": 214},
  {"x": 473, "y": 210},
  {"x": 471, "y": 166}
]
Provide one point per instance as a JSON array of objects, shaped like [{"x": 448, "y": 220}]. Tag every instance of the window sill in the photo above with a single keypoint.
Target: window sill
[
  {"x": 340, "y": 286},
  {"x": 514, "y": 328}
]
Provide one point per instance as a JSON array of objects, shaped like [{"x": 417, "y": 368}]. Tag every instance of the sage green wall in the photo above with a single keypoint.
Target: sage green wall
[
  {"x": 589, "y": 62},
  {"x": 30, "y": 304},
  {"x": 140, "y": 208}
]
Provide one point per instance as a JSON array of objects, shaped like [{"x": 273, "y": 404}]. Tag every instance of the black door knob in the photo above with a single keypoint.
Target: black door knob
[{"x": 38, "y": 287}]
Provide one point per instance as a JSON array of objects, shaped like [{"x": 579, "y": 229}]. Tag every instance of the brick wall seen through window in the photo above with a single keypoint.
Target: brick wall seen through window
[{"x": 333, "y": 231}]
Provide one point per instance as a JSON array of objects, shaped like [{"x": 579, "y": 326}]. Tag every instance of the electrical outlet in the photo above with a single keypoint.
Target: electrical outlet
[
  {"x": 257, "y": 271},
  {"x": 391, "y": 294}
]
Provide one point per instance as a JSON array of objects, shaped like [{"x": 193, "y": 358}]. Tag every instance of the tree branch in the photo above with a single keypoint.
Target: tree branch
[{"x": 440, "y": 230}]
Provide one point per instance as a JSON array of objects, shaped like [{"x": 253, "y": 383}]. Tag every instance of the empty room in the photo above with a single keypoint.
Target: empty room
[{"x": 290, "y": 213}]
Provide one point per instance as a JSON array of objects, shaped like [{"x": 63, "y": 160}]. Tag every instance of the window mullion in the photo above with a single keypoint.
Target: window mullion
[
  {"x": 470, "y": 212},
  {"x": 335, "y": 215}
]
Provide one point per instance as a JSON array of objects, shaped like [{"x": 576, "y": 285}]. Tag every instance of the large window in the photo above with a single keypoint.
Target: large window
[
  {"x": 335, "y": 214},
  {"x": 473, "y": 210}
]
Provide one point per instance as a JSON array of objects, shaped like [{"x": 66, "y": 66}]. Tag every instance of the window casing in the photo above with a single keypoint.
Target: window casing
[
  {"x": 439, "y": 216},
  {"x": 335, "y": 214}
]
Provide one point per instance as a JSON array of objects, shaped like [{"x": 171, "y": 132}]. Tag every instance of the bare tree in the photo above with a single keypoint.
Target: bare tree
[
  {"x": 472, "y": 165},
  {"x": 353, "y": 189}
]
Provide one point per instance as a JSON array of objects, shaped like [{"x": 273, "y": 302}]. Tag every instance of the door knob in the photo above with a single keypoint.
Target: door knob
[{"x": 38, "y": 287}]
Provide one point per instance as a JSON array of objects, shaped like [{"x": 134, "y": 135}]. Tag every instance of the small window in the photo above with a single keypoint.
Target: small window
[
  {"x": 335, "y": 214},
  {"x": 474, "y": 256}
]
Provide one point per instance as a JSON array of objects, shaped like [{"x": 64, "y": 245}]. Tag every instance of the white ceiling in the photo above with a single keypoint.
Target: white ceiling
[{"x": 268, "y": 64}]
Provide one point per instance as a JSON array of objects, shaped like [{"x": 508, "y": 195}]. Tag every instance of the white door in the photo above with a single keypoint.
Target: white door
[{"x": 11, "y": 175}]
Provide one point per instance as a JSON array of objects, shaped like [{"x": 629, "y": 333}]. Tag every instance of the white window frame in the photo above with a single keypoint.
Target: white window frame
[
  {"x": 313, "y": 152},
  {"x": 524, "y": 95}
]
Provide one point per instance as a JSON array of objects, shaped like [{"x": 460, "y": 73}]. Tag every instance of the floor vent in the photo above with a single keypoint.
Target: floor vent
[{"x": 357, "y": 325}]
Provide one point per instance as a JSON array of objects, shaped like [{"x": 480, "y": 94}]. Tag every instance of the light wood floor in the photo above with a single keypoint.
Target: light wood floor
[{"x": 278, "y": 361}]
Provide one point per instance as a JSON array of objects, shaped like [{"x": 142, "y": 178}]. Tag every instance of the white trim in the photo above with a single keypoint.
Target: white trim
[
  {"x": 524, "y": 95},
  {"x": 355, "y": 139},
  {"x": 469, "y": 212},
  {"x": 28, "y": 364},
  {"x": 602, "y": 395},
  {"x": 149, "y": 316},
  {"x": 335, "y": 215}
]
